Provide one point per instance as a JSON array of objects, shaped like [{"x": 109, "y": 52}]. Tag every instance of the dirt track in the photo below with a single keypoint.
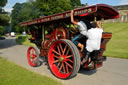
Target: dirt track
[{"x": 113, "y": 72}]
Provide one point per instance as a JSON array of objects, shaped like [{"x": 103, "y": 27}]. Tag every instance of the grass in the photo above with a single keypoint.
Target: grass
[
  {"x": 24, "y": 40},
  {"x": 12, "y": 74},
  {"x": 118, "y": 45}
]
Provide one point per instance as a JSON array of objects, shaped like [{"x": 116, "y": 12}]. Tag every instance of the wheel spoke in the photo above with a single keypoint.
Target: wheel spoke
[
  {"x": 70, "y": 60},
  {"x": 33, "y": 61},
  {"x": 58, "y": 49},
  {"x": 68, "y": 65},
  {"x": 64, "y": 49},
  {"x": 55, "y": 61},
  {"x": 69, "y": 56},
  {"x": 33, "y": 51},
  {"x": 61, "y": 47},
  {"x": 67, "y": 68},
  {"x": 63, "y": 68},
  {"x": 55, "y": 52},
  {"x": 67, "y": 52},
  {"x": 58, "y": 64},
  {"x": 56, "y": 56}
]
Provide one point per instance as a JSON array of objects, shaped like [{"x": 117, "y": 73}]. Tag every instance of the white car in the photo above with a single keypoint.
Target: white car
[{"x": 13, "y": 34}]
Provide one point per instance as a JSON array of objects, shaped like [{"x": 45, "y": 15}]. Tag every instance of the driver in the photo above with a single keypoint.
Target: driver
[{"x": 92, "y": 31}]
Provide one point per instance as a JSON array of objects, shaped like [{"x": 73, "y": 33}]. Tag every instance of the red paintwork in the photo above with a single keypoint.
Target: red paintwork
[
  {"x": 106, "y": 11},
  {"x": 60, "y": 32},
  {"x": 32, "y": 56},
  {"x": 60, "y": 69},
  {"x": 99, "y": 65},
  {"x": 52, "y": 37},
  {"x": 105, "y": 38}
]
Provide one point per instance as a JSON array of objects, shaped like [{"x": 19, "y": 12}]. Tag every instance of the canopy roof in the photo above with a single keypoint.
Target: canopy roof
[{"x": 99, "y": 10}]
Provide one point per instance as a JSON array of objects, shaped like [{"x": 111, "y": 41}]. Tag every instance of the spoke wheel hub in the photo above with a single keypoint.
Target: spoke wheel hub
[{"x": 61, "y": 59}]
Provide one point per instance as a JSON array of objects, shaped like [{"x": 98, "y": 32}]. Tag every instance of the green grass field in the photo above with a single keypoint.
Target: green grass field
[
  {"x": 12, "y": 74},
  {"x": 118, "y": 45}
]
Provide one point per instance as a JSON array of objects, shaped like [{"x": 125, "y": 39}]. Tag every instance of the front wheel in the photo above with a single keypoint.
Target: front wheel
[
  {"x": 33, "y": 56},
  {"x": 64, "y": 59}
]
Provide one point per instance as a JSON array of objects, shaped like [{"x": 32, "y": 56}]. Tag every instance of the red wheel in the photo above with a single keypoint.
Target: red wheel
[
  {"x": 61, "y": 33},
  {"x": 64, "y": 59},
  {"x": 33, "y": 56}
]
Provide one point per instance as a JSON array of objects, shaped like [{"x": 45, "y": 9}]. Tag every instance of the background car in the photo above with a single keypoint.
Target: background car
[{"x": 12, "y": 34}]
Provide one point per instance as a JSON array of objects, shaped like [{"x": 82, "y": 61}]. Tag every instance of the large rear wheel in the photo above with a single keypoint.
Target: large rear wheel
[{"x": 64, "y": 59}]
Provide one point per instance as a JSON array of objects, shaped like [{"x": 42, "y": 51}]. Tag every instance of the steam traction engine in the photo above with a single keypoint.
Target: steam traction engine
[{"x": 53, "y": 38}]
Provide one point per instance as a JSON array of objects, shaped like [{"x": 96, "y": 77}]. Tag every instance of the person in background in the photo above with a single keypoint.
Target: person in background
[
  {"x": 24, "y": 33},
  {"x": 92, "y": 31}
]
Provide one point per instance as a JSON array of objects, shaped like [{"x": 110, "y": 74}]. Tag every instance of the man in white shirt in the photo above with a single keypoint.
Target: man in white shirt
[{"x": 92, "y": 31}]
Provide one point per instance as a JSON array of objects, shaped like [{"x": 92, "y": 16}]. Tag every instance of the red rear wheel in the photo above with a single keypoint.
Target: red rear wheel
[
  {"x": 33, "y": 56},
  {"x": 64, "y": 59}
]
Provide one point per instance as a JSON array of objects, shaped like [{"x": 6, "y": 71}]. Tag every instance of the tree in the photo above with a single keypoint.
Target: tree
[
  {"x": 49, "y": 7},
  {"x": 4, "y": 18},
  {"x": 15, "y": 20},
  {"x": 30, "y": 11},
  {"x": 2, "y": 30},
  {"x": 75, "y": 3},
  {"x": 23, "y": 12},
  {"x": 35, "y": 8},
  {"x": 3, "y": 3}
]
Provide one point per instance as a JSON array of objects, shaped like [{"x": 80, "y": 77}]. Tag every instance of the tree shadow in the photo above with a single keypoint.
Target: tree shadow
[{"x": 6, "y": 43}]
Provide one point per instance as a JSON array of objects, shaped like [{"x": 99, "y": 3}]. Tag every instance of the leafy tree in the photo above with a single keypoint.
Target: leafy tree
[
  {"x": 49, "y": 7},
  {"x": 4, "y": 18},
  {"x": 75, "y": 3},
  {"x": 3, "y": 3},
  {"x": 2, "y": 29},
  {"x": 36, "y": 8},
  {"x": 15, "y": 20},
  {"x": 30, "y": 11},
  {"x": 23, "y": 12}
]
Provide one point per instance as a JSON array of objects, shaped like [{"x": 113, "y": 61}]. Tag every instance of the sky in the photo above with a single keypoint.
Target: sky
[
  {"x": 11, "y": 3},
  {"x": 109, "y": 2}
]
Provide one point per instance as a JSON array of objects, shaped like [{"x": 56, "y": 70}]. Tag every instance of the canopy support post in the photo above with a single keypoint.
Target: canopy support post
[
  {"x": 95, "y": 19},
  {"x": 102, "y": 22},
  {"x": 43, "y": 32}
]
